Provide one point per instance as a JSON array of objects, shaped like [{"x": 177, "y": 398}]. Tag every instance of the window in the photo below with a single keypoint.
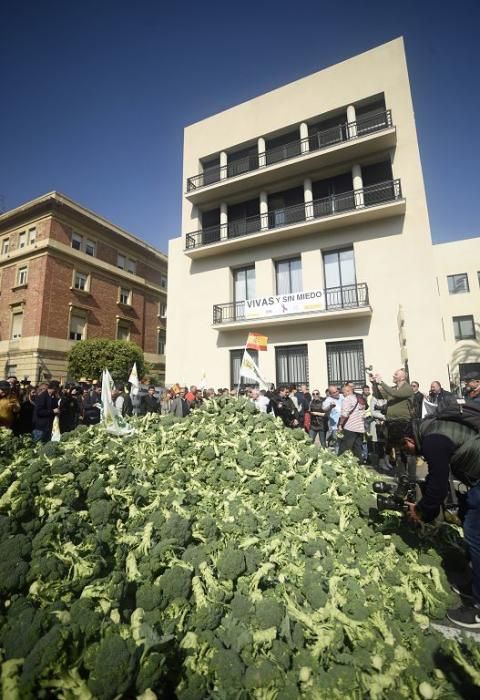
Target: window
[
  {"x": 126, "y": 263},
  {"x": 463, "y": 328},
  {"x": 81, "y": 281},
  {"x": 346, "y": 362},
  {"x": 162, "y": 339},
  {"x": 78, "y": 325},
  {"x": 90, "y": 247},
  {"x": 10, "y": 370},
  {"x": 236, "y": 357},
  {"x": 22, "y": 239},
  {"x": 458, "y": 284},
  {"x": 339, "y": 267},
  {"x": 125, "y": 296},
  {"x": 132, "y": 266},
  {"x": 32, "y": 235},
  {"x": 5, "y": 246},
  {"x": 244, "y": 283},
  {"x": 22, "y": 275},
  {"x": 162, "y": 309},
  {"x": 77, "y": 241},
  {"x": 288, "y": 276},
  {"x": 123, "y": 330},
  {"x": 163, "y": 281},
  {"x": 17, "y": 323},
  {"x": 291, "y": 363}
]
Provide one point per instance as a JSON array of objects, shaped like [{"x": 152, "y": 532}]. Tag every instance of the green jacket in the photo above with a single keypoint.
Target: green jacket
[{"x": 399, "y": 401}]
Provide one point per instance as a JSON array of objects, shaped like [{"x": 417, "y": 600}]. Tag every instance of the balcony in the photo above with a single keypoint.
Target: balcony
[
  {"x": 381, "y": 200},
  {"x": 356, "y": 137},
  {"x": 337, "y": 302}
]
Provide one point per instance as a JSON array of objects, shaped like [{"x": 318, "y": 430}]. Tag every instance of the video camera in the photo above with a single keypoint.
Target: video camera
[{"x": 394, "y": 496}]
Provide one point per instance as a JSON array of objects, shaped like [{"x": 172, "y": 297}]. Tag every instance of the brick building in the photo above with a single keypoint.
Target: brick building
[{"x": 67, "y": 274}]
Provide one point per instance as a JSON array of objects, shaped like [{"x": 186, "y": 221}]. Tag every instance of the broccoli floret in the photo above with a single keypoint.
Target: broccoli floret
[
  {"x": 101, "y": 511},
  {"x": 207, "y": 617},
  {"x": 48, "y": 655},
  {"x": 15, "y": 547},
  {"x": 149, "y": 596},
  {"x": 151, "y": 672},
  {"x": 84, "y": 616},
  {"x": 261, "y": 675},
  {"x": 313, "y": 590},
  {"x": 96, "y": 490},
  {"x": 176, "y": 530},
  {"x": 51, "y": 450},
  {"x": 231, "y": 564},
  {"x": 281, "y": 653},
  {"x": 113, "y": 668},
  {"x": 13, "y": 574},
  {"x": 195, "y": 555},
  {"x": 241, "y": 606},
  {"x": 23, "y": 629},
  {"x": 229, "y": 668},
  {"x": 269, "y": 613},
  {"x": 208, "y": 528},
  {"x": 175, "y": 583}
]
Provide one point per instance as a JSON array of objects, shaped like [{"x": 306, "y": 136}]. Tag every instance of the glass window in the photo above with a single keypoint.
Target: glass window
[
  {"x": 123, "y": 330},
  {"x": 17, "y": 323},
  {"x": 131, "y": 266},
  {"x": 90, "y": 247},
  {"x": 458, "y": 284},
  {"x": 81, "y": 281},
  {"x": 78, "y": 325},
  {"x": 5, "y": 246},
  {"x": 163, "y": 281},
  {"x": 339, "y": 268},
  {"x": 236, "y": 357},
  {"x": 121, "y": 261},
  {"x": 345, "y": 363},
  {"x": 464, "y": 328},
  {"x": 244, "y": 283},
  {"x": 162, "y": 308},
  {"x": 125, "y": 295},
  {"x": 22, "y": 275},
  {"x": 32, "y": 235},
  {"x": 289, "y": 276},
  {"x": 22, "y": 239},
  {"x": 291, "y": 363},
  {"x": 162, "y": 338},
  {"x": 77, "y": 241}
]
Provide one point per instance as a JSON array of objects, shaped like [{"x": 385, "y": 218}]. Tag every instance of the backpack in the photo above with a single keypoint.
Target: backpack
[{"x": 467, "y": 413}]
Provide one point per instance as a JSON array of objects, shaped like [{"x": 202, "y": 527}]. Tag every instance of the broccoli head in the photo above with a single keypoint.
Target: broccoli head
[
  {"x": 175, "y": 583},
  {"x": 231, "y": 564},
  {"x": 176, "y": 530},
  {"x": 229, "y": 668},
  {"x": 149, "y": 596},
  {"x": 113, "y": 668},
  {"x": 269, "y": 613}
]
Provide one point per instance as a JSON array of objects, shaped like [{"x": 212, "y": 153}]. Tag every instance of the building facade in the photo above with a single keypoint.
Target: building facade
[
  {"x": 303, "y": 210},
  {"x": 67, "y": 274},
  {"x": 458, "y": 274}
]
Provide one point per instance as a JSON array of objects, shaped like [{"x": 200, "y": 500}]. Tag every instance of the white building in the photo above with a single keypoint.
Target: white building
[{"x": 315, "y": 187}]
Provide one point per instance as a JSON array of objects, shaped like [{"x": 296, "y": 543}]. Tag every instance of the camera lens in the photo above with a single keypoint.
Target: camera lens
[
  {"x": 389, "y": 503},
  {"x": 383, "y": 487}
]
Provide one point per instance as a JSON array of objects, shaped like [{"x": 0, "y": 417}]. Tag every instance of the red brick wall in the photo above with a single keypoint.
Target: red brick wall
[{"x": 31, "y": 295}]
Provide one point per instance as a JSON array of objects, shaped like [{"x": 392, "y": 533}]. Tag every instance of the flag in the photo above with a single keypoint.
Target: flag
[
  {"x": 255, "y": 341},
  {"x": 111, "y": 416},
  {"x": 133, "y": 379},
  {"x": 203, "y": 381},
  {"x": 249, "y": 370}
]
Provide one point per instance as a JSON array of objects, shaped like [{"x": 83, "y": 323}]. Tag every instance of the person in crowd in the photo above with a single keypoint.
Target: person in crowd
[
  {"x": 260, "y": 400},
  {"x": 351, "y": 423},
  {"x": 25, "y": 418},
  {"x": 317, "y": 419},
  {"x": 197, "y": 401},
  {"x": 191, "y": 395},
  {"x": 399, "y": 413},
  {"x": 92, "y": 405},
  {"x": 303, "y": 398},
  {"x": 69, "y": 414},
  {"x": 179, "y": 406},
  {"x": 332, "y": 406},
  {"x": 472, "y": 386},
  {"x": 165, "y": 402},
  {"x": 149, "y": 402},
  {"x": 449, "y": 445},
  {"x": 440, "y": 397},
  {"x": 9, "y": 405},
  {"x": 417, "y": 399},
  {"x": 284, "y": 408},
  {"x": 46, "y": 408}
]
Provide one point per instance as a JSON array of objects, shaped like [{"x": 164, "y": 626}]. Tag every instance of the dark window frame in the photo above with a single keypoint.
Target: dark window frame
[
  {"x": 289, "y": 261},
  {"x": 290, "y": 350},
  {"x": 341, "y": 349},
  {"x": 237, "y": 354},
  {"x": 457, "y": 320},
  {"x": 452, "y": 281}
]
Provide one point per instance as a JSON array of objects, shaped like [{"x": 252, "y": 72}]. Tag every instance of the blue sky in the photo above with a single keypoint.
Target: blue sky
[{"x": 95, "y": 95}]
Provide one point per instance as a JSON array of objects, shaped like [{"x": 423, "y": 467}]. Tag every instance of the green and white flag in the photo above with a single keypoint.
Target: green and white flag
[
  {"x": 133, "y": 379},
  {"x": 114, "y": 422},
  {"x": 249, "y": 370}
]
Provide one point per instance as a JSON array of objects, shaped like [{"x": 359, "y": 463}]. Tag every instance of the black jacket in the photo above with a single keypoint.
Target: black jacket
[
  {"x": 317, "y": 422},
  {"x": 91, "y": 414},
  {"x": 43, "y": 414},
  {"x": 69, "y": 413},
  {"x": 149, "y": 404},
  {"x": 285, "y": 409}
]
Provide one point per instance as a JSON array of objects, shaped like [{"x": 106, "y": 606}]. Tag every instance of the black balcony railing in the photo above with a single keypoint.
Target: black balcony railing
[
  {"x": 352, "y": 296},
  {"x": 364, "y": 125},
  {"x": 373, "y": 195}
]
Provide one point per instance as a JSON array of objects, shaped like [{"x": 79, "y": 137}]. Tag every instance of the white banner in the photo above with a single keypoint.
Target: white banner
[{"x": 282, "y": 304}]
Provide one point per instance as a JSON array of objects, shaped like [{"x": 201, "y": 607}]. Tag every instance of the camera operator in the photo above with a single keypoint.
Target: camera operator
[
  {"x": 399, "y": 412},
  {"x": 445, "y": 445}
]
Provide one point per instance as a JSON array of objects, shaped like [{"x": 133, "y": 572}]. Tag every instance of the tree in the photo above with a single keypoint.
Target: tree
[{"x": 88, "y": 358}]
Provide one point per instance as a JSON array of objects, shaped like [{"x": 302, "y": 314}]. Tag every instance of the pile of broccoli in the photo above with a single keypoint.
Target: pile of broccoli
[{"x": 221, "y": 556}]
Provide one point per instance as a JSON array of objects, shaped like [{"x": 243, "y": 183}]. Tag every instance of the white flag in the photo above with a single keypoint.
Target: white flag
[
  {"x": 203, "y": 381},
  {"x": 133, "y": 379},
  {"x": 111, "y": 416},
  {"x": 249, "y": 370}
]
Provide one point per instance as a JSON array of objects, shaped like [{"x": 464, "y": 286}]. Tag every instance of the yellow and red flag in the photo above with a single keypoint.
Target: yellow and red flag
[{"x": 255, "y": 341}]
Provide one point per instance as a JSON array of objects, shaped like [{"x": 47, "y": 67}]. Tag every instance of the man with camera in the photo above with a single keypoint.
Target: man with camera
[{"x": 445, "y": 445}]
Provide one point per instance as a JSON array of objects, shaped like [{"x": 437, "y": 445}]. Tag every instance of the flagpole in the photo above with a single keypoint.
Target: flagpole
[{"x": 241, "y": 365}]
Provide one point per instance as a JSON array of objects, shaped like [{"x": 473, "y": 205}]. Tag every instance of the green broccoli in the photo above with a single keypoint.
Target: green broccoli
[
  {"x": 149, "y": 596},
  {"x": 229, "y": 668},
  {"x": 85, "y": 618},
  {"x": 96, "y": 490},
  {"x": 176, "y": 530},
  {"x": 152, "y": 672},
  {"x": 22, "y": 630},
  {"x": 269, "y": 613},
  {"x": 175, "y": 583},
  {"x": 231, "y": 564},
  {"x": 207, "y": 617},
  {"x": 261, "y": 675},
  {"x": 101, "y": 511},
  {"x": 48, "y": 654},
  {"x": 113, "y": 668}
]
